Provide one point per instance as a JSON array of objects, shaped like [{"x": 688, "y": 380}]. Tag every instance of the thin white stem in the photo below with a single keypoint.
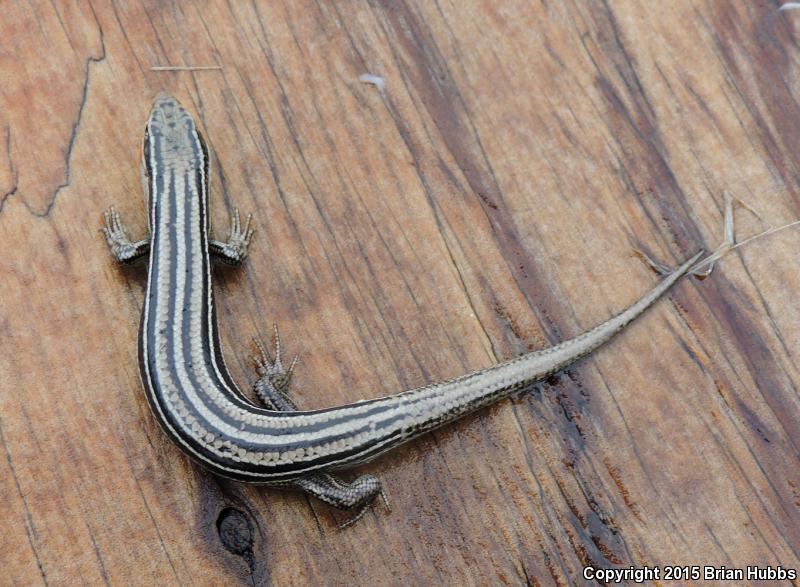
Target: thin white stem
[
  {"x": 726, "y": 247},
  {"x": 184, "y": 67}
]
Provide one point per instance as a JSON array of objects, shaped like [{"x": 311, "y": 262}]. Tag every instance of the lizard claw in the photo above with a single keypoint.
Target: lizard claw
[{"x": 272, "y": 368}]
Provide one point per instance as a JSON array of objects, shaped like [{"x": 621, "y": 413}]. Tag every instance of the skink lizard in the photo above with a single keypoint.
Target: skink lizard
[{"x": 194, "y": 397}]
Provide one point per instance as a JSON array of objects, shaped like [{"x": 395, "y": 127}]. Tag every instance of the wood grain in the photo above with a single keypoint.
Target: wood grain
[{"x": 485, "y": 203}]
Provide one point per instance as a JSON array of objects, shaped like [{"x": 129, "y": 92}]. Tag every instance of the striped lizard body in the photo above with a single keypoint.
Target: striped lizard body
[{"x": 194, "y": 397}]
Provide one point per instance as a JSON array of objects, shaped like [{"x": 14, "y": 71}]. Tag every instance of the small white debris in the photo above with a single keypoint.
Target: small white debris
[
  {"x": 375, "y": 80},
  {"x": 727, "y": 244},
  {"x": 790, "y": 6}
]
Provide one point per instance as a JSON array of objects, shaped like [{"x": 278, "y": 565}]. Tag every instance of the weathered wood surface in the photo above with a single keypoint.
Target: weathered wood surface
[{"x": 485, "y": 204}]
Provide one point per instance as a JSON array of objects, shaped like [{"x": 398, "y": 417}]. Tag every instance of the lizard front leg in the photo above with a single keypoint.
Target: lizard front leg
[
  {"x": 234, "y": 250},
  {"x": 122, "y": 248}
]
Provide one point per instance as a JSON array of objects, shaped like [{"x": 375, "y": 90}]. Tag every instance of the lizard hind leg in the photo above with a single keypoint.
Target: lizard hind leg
[
  {"x": 272, "y": 388},
  {"x": 274, "y": 381},
  {"x": 359, "y": 494}
]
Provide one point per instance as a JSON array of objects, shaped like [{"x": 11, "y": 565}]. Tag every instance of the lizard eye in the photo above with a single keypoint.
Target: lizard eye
[{"x": 146, "y": 152}]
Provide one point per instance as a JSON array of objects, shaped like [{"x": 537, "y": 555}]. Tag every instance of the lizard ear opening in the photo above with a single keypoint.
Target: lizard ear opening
[
  {"x": 204, "y": 147},
  {"x": 146, "y": 172}
]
